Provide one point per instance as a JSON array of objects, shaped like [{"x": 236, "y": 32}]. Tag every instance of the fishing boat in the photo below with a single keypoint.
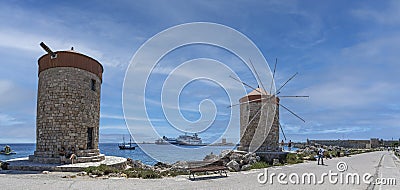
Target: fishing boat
[
  {"x": 7, "y": 151},
  {"x": 127, "y": 146}
]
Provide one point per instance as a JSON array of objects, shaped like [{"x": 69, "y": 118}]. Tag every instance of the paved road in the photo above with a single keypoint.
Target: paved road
[{"x": 378, "y": 164}]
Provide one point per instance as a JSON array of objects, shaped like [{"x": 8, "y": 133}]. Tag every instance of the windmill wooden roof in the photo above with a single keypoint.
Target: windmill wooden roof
[
  {"x": 71, "y": 59},
  {"x": 257, "y": 91},
  {"x": 255, "y": 96}
]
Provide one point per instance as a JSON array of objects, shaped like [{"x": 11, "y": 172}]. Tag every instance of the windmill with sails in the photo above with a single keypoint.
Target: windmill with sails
[{"x": 259, "y": 116}]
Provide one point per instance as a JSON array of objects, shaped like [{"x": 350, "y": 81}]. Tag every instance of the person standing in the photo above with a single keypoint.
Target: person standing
[
  {"x": 321, "y": 155},
  {"x": 283, "y": 145},
  {"x": 290, "y": 145},
  {"x": 62, "y": 154}
]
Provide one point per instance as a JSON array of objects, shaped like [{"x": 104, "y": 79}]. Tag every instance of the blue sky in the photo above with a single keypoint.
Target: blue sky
[{"x": 346, "y": 53}]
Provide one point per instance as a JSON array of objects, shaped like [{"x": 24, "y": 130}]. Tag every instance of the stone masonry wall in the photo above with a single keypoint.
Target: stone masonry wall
[
  {"x": 67, "y": 106},
  {"x": 270, "y": 114}
]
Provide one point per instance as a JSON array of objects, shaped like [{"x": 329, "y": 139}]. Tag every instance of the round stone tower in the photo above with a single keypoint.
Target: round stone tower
[
  {"x": 260, "y": 134},
  {"x": 68, "y": 107}
]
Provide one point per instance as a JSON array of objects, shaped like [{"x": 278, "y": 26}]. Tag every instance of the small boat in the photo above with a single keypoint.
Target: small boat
[
  {"x": 7, "y": 151},
  {"x": 127, "y": 146}
]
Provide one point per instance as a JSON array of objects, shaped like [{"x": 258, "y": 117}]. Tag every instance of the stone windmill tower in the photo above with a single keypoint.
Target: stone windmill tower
[
  {"x": 258, "y": 110},
  {"x": 259, "y": 119},
  {"x": 68, "y": 107}
]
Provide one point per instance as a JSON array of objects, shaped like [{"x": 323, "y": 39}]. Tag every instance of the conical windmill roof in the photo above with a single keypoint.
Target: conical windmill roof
[
  {"x": 254, "y": 95},
  {"x": 257, "y": 91}
]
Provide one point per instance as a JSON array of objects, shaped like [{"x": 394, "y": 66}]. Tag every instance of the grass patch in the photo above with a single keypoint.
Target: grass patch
[
  {"x": 259, "y": 165},
  {"x": 293, "y": 158},
  {"x": 100, "y": 170},
  {"x": 133, "y": 172},
  {"x": 142, "y": 173},
  {"x": 152, "y": 174},
  {"x": 173, "y": 173}
]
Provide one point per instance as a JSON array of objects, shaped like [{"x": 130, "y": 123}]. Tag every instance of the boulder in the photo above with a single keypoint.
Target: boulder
[
  {"x": 82, "y": 173},
  {"x": 225, "y": 153},
  {"x": 246, "y": 167},
  {"x": 160, "y": 165},
  {"x": 4, "y": 165},
  {"x": 249, "y": 157},
  {"x": 275, "y": 162},
  {"x": 225, "y": 160},
  {"x": 233, "y": 166},
  {"x": 211, "y": 157},
  {"x": 136, "y": 164},
  {"x": 180, "y": 165},
  {"x": 252, "y": 160},
  {"x": 236, "y": 156}
]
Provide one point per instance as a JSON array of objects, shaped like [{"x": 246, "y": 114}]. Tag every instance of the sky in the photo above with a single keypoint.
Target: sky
[{"x": 346, "y": 54}]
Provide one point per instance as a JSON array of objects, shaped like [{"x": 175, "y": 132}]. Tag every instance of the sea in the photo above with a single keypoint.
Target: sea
[
  {"x": 147, "y": 153},
  {"x": 165, "y": 152}
]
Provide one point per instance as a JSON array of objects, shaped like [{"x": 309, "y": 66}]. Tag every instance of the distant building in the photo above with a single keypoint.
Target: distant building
[
  {"x": 223, "y": 141},
  {"x": 372, "y": 143},
  {"x": 342, "y": 143}
]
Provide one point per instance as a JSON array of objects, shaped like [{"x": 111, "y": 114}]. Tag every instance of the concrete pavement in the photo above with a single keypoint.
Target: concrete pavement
[{"x": 381, "y": 164}]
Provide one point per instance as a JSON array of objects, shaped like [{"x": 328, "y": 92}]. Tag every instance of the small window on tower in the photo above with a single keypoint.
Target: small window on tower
[{"x": 93, "y": 85}]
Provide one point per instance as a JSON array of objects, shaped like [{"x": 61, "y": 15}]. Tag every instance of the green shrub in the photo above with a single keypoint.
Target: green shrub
[
  {"x": 259, "y": 165},
  {"x": 142, "y": 173},
  {"x": 173, "y": 173},
  {"x": 100, "y": 170},
  {"x": 133, "y": 172},
  {"x": 97, "y": 172},
  {"x": 149, "y": 174},
  {"x": 293, "y": 158}
]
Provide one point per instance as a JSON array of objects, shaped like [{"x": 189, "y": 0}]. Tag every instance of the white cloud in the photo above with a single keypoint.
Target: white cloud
[
  {"x": 121, "y": 117},
  {"x": 7, "y": 120},
  {"x": 389, "y": 15},
  {"x": 5, "y": 87},
  {"x": 345, "y": 93}
]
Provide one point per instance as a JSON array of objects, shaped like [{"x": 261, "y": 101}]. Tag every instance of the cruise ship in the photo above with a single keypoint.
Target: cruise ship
[
  {"x": 166, "y": 140},
  {"x": 186, "y": 140},
  {"x": 194, "y": 140}
]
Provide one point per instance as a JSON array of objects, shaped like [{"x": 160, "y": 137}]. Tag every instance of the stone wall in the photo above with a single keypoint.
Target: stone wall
[
  {"x": 67, "y": 106},
  {"x": 342, "y": 143},
  {"x": 263, "y": 129}
]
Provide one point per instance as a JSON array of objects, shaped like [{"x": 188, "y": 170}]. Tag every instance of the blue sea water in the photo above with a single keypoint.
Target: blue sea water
[
  {"x": 111, "y": 149},
  {"x": 22, "y": 150},
  {"x": 163, "y": 153}
]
